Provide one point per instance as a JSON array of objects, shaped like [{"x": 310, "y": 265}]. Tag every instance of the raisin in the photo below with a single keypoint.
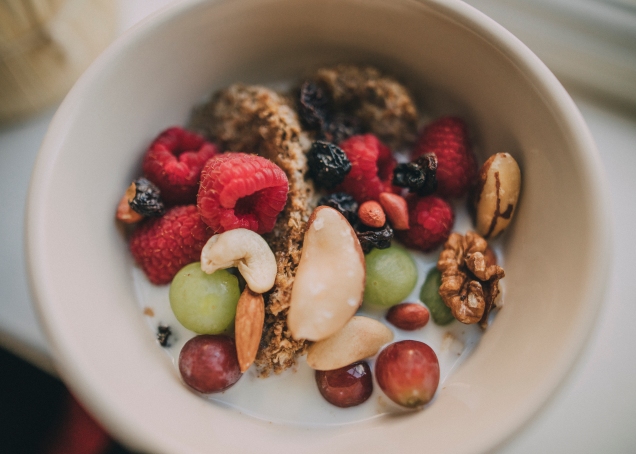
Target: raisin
[
  {"x": 373, "y": 238},
  {"x": 340, "y": 127},
  {"x": 419, "y": 176},
  {"x": 328, "y": 165},
  {"x": 146, "y": 199},
  {"x": 163, "y": 334},
  {"x": 313, "y": 105},
  {"x": 344, "y": 203}
]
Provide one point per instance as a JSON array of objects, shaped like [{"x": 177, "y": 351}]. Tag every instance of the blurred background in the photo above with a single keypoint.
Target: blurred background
[{"x": 46, "y": 44}]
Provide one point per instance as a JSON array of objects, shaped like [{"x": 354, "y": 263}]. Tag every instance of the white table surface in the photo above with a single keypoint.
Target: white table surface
[{"x": 594, "y": 410}]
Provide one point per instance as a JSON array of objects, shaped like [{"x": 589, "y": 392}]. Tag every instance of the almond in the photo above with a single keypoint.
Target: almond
[
  {"x": 248, "y": 326},
  {"x": 396, "y": 210},
  {"x": 360, "y": 338},
  {"x": 371, "y": 214}
]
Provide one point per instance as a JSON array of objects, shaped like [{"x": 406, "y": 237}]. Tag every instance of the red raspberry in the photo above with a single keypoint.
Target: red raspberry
[
  {"x": 430, "y": 223},
  {"x": 372, "y": 165},
  {"x": 162, "y": 246},
  {"x": 241, "y": 190},
  {"x": 174, "y": 161},
  {"x": 447, "y": 138}
]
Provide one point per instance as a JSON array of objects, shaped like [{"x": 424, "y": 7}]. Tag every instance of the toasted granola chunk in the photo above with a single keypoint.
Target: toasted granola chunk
[{"x": 255, "y": 119}]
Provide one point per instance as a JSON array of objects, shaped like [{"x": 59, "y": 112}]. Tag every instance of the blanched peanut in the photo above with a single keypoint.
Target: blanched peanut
[{"x": 498, "y": 189}]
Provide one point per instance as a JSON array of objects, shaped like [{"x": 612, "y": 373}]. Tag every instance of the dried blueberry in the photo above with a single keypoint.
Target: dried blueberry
[
  {"x": 328, "y": 165},
  {"x": 419, "y": 176},
  {"x": 163, "y": 334},
  {"x": 373, "y": 238},
  {"x": 313, "y": 105},
  {"x": 145, "y": 199},
  {"x": 344, "y": 203}
]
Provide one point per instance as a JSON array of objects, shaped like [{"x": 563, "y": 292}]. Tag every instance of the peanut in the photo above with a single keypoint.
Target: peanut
[
  {"x": 499, "y": 184},
  {"x": 396, "y": 210},
  {"x": 371, "y": 214}
]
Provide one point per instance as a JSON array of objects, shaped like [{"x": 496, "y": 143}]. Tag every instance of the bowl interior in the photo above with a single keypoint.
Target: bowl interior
[{"x": 456, "y": 61}]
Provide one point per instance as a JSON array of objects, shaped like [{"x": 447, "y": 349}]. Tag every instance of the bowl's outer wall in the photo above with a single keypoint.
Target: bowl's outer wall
[{"x": 456, "y": 61}]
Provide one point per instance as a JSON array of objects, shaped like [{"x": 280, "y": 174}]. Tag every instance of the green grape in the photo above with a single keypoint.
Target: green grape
[
  {"x": 204, "y": 303},
  {"x": 430, "y": 296},
  {"x": 391, "y": 276}
]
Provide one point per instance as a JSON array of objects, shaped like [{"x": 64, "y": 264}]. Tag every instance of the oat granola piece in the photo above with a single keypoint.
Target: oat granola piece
[
  {"x": 381, "y": 103},
  {"x": 470, "y": 277},
  {"x": 255, "y": 119}
]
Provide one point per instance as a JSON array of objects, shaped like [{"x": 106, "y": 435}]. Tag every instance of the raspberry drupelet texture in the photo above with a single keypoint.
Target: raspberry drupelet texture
[
  {"x": 162, "y": 246},
  {"x": 447, "y": 138},
  {"x": 240, "y": 190},
  {"x": 430, "y": 223},
  {"x": 372, "y": 165},
  {"x": 174, "y": 161}
]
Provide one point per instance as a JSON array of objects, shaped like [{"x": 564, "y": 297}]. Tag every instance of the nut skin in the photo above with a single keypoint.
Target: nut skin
[
  {"x": 408, "y": 316},
  {"x": 396, "y": 210},
  {"x": 371, "y": 214},
  {"x": 248, "y": 326},
  {"x": 498, "y": 187},
  {"x": 126, "y": 214}
]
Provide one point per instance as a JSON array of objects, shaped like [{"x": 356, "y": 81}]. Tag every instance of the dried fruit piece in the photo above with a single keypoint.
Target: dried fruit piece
[
  {"x": 498, "y": 187},
  {"x": 174, "y": 161},
  {"x": 346, "y": 387},
  {"x": 344, "y": 203},
  {"x": 371, "y": 214},
  {"x": 408, "y": 316},
  {"x": 162, "y": 246},
  {"x": 418, "y": 176},
  {"x": 429, "y": 294},
  {"x": 373, "y": 238},
  {"x": 430, "y": 220},
  {"x": 360, "y": 338},
  {"x": 146, "y": 198},
  {"x": 313, "y": 105},
  {"x": 241, "y": 191},
  {"x": 327, "y": 164},
  {"x": 447, "y": 139},
  {"x": 329, "y": 280},
  {"x": 248, "y": 326}
]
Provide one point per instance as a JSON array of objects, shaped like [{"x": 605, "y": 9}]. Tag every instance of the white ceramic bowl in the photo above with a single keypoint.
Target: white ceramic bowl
[{"x": 461, "y": 62}]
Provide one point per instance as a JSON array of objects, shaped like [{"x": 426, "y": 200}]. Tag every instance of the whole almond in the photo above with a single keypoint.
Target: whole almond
[
  {"x": 360, "y": 338},
  {"x": 396, "y": 210},
  {"x": 371, "y": 214},
  {"x": 248, "y": 326},
  {"x": 408, "y": 316}
]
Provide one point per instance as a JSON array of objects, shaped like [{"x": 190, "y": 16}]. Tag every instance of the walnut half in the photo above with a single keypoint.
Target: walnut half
[{"x": 470, "y": 277}]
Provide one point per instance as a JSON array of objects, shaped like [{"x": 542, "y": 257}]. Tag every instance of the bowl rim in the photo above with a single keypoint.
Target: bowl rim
[{"x": 555, "y": 96}]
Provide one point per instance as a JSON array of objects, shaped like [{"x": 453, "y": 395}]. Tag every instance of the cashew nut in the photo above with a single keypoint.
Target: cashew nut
[{"x": 243, "y": 249}]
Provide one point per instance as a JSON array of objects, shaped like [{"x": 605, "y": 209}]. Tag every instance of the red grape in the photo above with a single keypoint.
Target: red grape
[
  {"x": 408, "y": 373},
  {"x": 408, "y": 316},
  {"x": 208, "y": 363},
  {"x": 346, "y": 387}
]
